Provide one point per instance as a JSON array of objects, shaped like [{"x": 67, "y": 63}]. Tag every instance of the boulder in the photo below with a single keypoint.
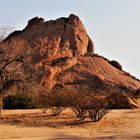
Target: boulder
[{"x": 116, "y": 64}]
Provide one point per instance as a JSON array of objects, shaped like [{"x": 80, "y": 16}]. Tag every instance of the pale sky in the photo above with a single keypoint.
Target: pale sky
[{"x": 114, "y": 25}]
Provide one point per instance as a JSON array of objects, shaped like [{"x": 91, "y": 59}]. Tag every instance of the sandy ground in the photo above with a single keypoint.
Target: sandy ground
[{"x": 118, "y": 124}]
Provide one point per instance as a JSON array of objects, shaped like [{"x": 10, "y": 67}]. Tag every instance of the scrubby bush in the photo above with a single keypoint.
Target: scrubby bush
[
  {"x": 96, "y": 106},
  {"x": 137, "y": 92},
  {"x": 56, "y": 110},
  {"x": 82, "y": 104},
  {"x": 54, "y": 102},
  {"x": 118, "y": 101},
  {"x": 19, "y": 101}
]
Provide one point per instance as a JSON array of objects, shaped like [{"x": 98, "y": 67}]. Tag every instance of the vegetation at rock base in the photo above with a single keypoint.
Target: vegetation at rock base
[
  {"x": 83, "y": 105},
  {"x": 19, "y": 101}
]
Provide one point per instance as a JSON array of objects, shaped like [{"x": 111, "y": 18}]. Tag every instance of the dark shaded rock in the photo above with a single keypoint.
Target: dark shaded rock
[
  {"x": 90, "y": 49},
  {"x": 116, "y": 64},
  {"x": 15, "y": 33},
  {"x": 33, "y": 22}
]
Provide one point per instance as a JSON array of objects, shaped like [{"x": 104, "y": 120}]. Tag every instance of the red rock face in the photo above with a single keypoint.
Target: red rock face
[
  {"x": 63, "y": 54},
  {"x": 64, "y": 37}
]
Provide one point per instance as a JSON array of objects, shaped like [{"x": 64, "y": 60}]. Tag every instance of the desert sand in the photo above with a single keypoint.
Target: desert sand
[{"x": 118, "y": 124}]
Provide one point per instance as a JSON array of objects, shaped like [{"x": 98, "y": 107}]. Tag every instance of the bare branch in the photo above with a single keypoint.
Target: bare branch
[{"x": 4, "y": 32}]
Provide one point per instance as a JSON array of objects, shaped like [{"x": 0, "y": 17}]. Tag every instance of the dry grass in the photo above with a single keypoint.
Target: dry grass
[{"x": 34, "y": 125}]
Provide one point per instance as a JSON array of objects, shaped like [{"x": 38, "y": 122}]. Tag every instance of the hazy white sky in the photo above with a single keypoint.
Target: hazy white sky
[{"x": 114, "y": 25}]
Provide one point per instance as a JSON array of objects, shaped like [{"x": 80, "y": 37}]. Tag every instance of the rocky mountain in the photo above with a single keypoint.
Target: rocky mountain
[{"x": 62, "y": 54}]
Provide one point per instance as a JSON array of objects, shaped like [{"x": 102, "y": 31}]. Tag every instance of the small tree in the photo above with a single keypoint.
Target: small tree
[
  {"x": 15, "y": 69},
  {"x": 55, "y": 102},
  {"x": 82, "y": 103},
  {"x": 95, "y": 105},
  {"x": 23, "y": 100},
  {"x": 98, "y": 107},
  {"x": 79, "y": 106}
]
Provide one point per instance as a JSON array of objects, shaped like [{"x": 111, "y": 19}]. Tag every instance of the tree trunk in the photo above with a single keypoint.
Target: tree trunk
[{"x": 1, "y": 105}]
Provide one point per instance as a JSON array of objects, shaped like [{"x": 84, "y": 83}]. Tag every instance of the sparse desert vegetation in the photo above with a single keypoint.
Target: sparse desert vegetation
[
  {"x": 61, "y": 122},
  {"x": 51, "y": 69},
  {"x": 33, "y": 124},
  {"x": 83, "y": 104}
]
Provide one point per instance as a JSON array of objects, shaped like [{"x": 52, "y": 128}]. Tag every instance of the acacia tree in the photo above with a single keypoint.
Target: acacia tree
[
  {"x": 16, "y": 70},
  {"x": 83, "y": 102}
]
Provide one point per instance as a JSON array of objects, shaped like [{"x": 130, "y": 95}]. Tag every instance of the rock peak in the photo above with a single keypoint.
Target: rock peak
[
  {"x": 73, "y": 17},
  {"x": 67, "y": 34},
  {"x": 33, "y": 22}
]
